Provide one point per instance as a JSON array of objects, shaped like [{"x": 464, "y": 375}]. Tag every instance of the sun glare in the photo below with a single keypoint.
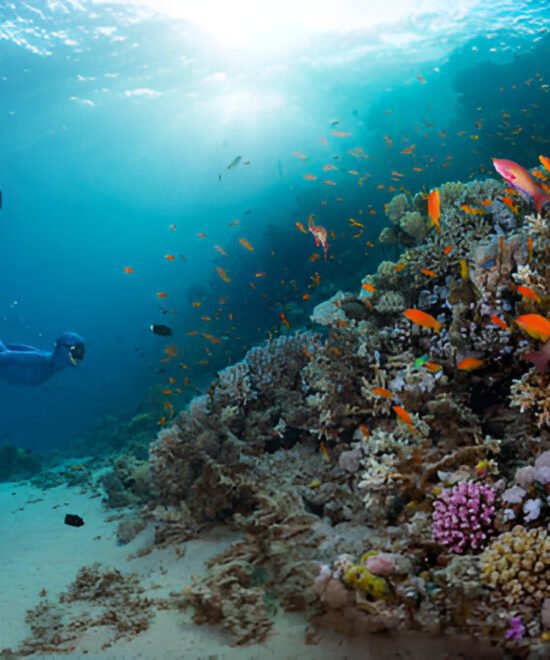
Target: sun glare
[{"x": 279, "y": 24}]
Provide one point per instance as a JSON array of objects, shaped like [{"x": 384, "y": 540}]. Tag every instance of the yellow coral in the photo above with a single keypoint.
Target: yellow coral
[
  {"x": 517, "y": 565},
  {"x": 358, "y": 577}
]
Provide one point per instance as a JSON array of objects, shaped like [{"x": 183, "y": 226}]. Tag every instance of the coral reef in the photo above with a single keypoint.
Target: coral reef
[{"x": 374, "y": 476}]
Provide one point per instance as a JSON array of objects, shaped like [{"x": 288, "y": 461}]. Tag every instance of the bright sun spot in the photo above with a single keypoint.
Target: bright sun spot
[{"x": 267, "y": 25}]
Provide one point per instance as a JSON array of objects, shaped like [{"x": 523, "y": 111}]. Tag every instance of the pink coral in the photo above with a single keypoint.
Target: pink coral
[
  {"x": 463, "y": 517},
  {"x": 382, "y": 565}
]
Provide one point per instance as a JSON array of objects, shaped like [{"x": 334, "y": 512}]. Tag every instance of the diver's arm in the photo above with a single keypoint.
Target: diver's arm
[{"x": 26, "y": 367}]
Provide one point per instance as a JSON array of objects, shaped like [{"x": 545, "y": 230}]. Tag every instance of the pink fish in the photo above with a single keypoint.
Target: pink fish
[
  {"x": 319, "y": 234},
  {"x": 539, "y": 358},
  {"x": 518, "y": 177}
]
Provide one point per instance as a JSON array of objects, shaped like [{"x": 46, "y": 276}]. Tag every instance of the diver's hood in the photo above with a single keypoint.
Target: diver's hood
[{"x": 74, "y": 345}]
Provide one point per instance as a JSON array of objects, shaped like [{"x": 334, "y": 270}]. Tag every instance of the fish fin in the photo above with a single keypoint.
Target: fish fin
[
  {"x": 3, "y": 346},
  {"x": 539, "y": 358},
  {"x": 540, "y": 200}
]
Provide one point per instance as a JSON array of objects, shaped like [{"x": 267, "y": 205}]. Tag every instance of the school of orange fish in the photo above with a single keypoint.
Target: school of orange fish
[{"x": 533, "y": 185}]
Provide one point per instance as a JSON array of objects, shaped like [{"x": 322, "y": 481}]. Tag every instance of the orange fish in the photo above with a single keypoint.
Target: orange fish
[
  {"x": 535, "y": 326},
  {"x": 527, "y": 292},
  {"x": 169, "y": 257},
  {"x": 404, "y": 416},
  {"x": 246, "y": 244},
  {"x": 509, "y": 203},
  {"x": 234, "y": 223},
  {"x": 340, "y": 134},
  {"x": 301, "y": 227},
  {"x": 422, "y": 319},
  {"x": 545, "y": 162},
  {"x": 399, "y": 267},
  {"x": 381, "y": 391},
  {"x": 162, "y": 294},
  {"x": 206, "y": 318},
  {"x": 428, "y": 272},
  {"x": 367, "y": 286},
  {"x": 529, "y": 248},
  {"x": 354, "y": 223},
  {"x": 498, "y": 321},
  {"x": 219, "y": 249},
  {"x": 300, "y": 155},
  {"x": 470, "y": 363},
  {"x": 434, "y": 208},
  {"x": 306, "y": 296},
  {"x": 471, "y": 210},
  {"x": 284, "y": 320},
  {"x": 128, "y": 270},
  {"x": 170, "y": 350},
  {"x": 310, "y": 177},
  {"x": 323, "y": 450},
  {"x": 201, "y": 235},
  {"x": 420, "y": 79},
  {"x": 408, "y": 150},
  {"x": 447, "y": 250},
  {"x": 329, "y": 182},
  {"x": 222, "y": 274},
  {"x": 328, "y": 167},
  {"x": 209, "y": 337},
  {"x": 196, "y": 303},
  {"x": 432, "y": 366},
  {"x": 259, "y": 274}
]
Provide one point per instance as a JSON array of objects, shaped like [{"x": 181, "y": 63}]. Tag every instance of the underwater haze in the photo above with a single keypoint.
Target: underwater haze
[{"x": 156, "y": 160}]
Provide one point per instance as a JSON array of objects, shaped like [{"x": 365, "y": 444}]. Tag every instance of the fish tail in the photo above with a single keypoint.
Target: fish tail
[
  {"x": 540, "y": 200},
  {"x": 539, "y": 358}
]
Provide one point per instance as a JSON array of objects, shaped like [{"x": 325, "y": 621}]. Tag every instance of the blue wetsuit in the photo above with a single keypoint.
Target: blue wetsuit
[{"x": 27, "y": 365}]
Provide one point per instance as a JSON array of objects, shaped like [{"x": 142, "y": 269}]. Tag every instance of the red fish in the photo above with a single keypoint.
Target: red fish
[
  {"x": 319, "y": 234},
  {"x": 518, "y": 177}
]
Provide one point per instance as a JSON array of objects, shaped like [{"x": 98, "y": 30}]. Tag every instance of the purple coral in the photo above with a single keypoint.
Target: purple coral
[
  {"x": 463, "y": 517},
  {"x": 516, "y": 629}
]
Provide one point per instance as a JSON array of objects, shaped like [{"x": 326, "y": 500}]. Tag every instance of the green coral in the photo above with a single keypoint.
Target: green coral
[
  {"x": 397, "y": 207},
  {"x": 358, "y": 577},
  {"x": 413, "y": 224},
  {"x": 451, "y": 192},
  {"x": 388, "y": 235}
]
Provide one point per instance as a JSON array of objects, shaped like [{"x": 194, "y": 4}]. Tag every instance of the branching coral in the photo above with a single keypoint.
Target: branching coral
[
  {"x": 463, "y": 517},
  {"x": 531, "y": 394}
]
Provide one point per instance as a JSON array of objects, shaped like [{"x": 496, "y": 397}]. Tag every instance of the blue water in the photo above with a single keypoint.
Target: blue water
[{"x": 117, "y": 122}]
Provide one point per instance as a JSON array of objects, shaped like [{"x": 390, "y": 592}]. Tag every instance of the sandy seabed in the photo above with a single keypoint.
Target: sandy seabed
[{"x": 39, "y": 552}]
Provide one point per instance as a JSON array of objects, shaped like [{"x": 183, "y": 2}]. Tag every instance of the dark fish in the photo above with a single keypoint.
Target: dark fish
[
  {"x": 73, "y": 520},
  {"x": 162, "y": 330},
  {"x": 234, "y": 162}
]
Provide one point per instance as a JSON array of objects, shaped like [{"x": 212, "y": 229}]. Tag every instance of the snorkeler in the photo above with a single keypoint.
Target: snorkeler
[{"x": 26, "y": 365}]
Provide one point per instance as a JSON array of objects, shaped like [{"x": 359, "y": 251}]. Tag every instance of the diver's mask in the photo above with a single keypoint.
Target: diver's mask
[
  {"x": 75, "y": 350},
  {"x": 76, "y": 353}
]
